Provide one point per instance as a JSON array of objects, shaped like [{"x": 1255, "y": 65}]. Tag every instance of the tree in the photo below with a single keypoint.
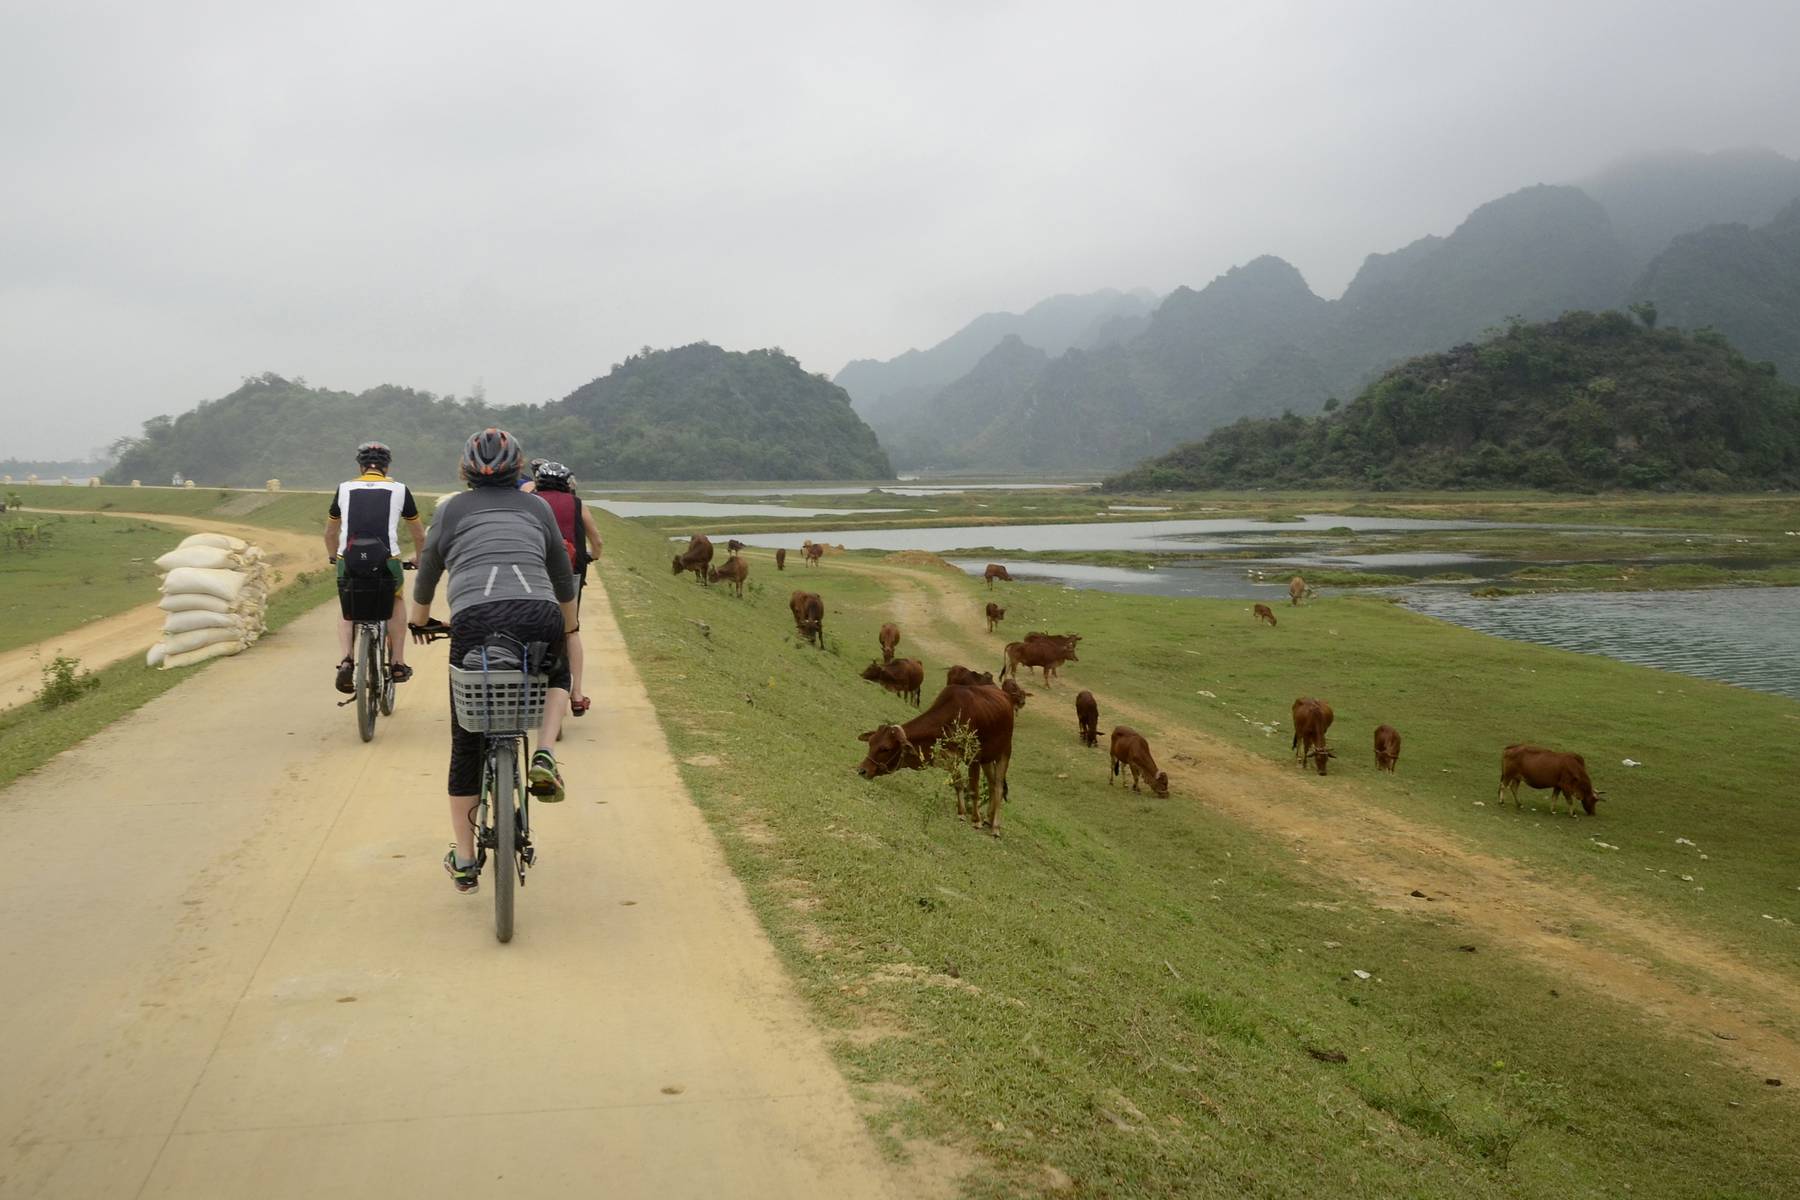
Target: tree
[{"x": 1645, "y": 311}]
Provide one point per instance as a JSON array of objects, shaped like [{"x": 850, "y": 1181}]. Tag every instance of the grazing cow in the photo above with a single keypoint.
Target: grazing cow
[
  {"x": 995, "y": 571},
  {"x": 995, "y": 615},
  {"x": 1129, "y": 749},
  {"x": 1015, "y": 693},
  {"x": 1087, "y": 719},
  {"x": 1069, "y": 640},
  {"x": 1296, "y": 589},
  {"x": 967, "y": 677},
  {"x": 1311, "y": 719},
  {"x": 986, "y": 711},
  {"x": 1262, "y": 612},
  {"x": 1564, "y": 773},
  {"x": 734, "y": 571},
  {"x": 696, "y": 557},
  {"x": 781, "y": 559},
  {"x": 1387, "y": 747},
  {"x": 809, "y": 616},
  {"x": 902, "y": 676},
  {"x": 1047, "y": 656},
  {"x": 889, "y": 638},
  {"x": 814, "y": 552},
  {"x": 733, "y": 546}
]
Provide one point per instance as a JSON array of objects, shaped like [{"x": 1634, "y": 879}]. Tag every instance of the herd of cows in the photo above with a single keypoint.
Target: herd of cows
[{"x": 986, "y": 707}]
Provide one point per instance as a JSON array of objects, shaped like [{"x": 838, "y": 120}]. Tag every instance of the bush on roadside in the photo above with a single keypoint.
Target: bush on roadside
[{"x": 62, "y": 683}]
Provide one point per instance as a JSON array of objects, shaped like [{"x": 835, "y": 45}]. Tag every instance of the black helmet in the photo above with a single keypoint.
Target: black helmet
[
  {"x": 491, "y": 458},
  {"x": 552, "y": 476},
  {"x": 374, "y": 454}
]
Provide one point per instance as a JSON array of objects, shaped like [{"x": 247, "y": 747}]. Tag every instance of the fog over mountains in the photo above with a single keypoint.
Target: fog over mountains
[{"x": 1106, "y": 379}]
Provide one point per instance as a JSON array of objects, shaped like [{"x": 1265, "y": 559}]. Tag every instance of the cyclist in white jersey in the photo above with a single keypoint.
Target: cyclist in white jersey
[{"x": 362, "y": 533}]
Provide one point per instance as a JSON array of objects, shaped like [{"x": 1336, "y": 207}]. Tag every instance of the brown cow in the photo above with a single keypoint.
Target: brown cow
[
  {"x": 814, "y": 552},
  {"x": 733, "y": 546},
  {"x": 1311, "y": 719},
  {"x": 1014, "y": 692},
  {"x": 1070, "y": 640},
  {"x": 967, "y": 677},
  {"x": 902, "y": 676},
  {"x": 995, "y": 615},
  {"x": 986, "y": 711},
  {"x": 1047, "y": 656},
  {"x": 1296, "y": 589},
  {"x": 889, "y": 638},
  {"x": 1087, "y": 719},
  {"x": 995, "y": 571},
  {"x": 1565, "y": 774},
  {"x": 1387, "y": 747},
  {"x": 1262, "y": 612},
  {"x": 781, "y": 559},
  {"x": 1129, "y": 749},
  {"x": 696, "y": 557},
  {"x": 734, "y": 571},
  {"x": 809, "y": 616}
]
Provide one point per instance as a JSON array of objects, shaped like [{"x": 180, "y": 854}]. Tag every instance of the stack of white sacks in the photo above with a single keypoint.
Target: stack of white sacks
[{"x": 214, "y": 592}]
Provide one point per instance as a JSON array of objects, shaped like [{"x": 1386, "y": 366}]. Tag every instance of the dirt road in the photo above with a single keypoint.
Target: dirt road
[
  {"x": 123, "y": 635},
  {"x": 234, "y": 966}
]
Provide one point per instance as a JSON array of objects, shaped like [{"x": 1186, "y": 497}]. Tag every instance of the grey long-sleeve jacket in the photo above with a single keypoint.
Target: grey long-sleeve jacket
[{"x": 499, "y": 544}]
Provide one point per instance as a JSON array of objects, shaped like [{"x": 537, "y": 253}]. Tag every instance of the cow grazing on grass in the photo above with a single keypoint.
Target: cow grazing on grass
[
  {"x": 889, "y": 637},
  {"x": 781, "y": 559},
  {"x": 1263, "y": 612},
  {"x": 696, "y": 558},
  {"x": 995, "y": 571},
  {"x": 902, "y": 676},
  {"x": 1014, "y": 692},
  {"x": 809, "y": 616},
  {"x": 986, "y": 711},
  {"x": 1129, "y": 749},
  {"x": 1565, "y": 774},
  {"x": 967, "y": 677},
  {"x": 1296, "y": 589},
  {"x": 1047, "y": 656},
  {"x": 733, "y": 546},
  {"x": 1311, "y": 719},
  {"x": 814, "y": 551},
  {"x": 1387, "y": 747},
  {"x": 1087, "y": 719},
  {"x": 995, "y": 615},
  {"x": 734, "y": 571}
]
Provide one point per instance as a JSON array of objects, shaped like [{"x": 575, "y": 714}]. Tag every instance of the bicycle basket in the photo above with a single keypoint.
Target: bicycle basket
[{"x": 498, "y": 701}]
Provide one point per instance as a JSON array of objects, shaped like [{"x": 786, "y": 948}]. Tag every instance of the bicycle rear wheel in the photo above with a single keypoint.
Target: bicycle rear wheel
[
  {"x": 388, "y": 685},
  {"x": 367, "y": 682},
  {"x": 504, "y": 805}
]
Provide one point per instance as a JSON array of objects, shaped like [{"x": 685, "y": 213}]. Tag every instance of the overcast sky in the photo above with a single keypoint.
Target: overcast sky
[{"x": 439, "y": 193}]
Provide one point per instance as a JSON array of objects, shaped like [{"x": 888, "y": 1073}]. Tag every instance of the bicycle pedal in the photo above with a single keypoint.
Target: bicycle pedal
[{"x": 530, "y": 856}]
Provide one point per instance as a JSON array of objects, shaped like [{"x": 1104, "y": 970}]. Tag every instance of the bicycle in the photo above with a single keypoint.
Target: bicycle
[
  {"x": 503, "y": 700},
  {"x": 373, "y": 689}
]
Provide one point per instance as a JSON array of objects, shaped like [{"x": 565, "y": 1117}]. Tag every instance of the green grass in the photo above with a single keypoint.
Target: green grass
[
  {"x": 81, "y": 569},
  {"x": 1126, "y": 989},
  {"x": 301, "y": 511},
  {"x": 30, "y": 736}
]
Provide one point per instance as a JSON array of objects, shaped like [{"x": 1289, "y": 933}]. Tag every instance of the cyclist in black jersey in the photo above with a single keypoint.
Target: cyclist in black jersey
[{"x": 362, "y": 532}]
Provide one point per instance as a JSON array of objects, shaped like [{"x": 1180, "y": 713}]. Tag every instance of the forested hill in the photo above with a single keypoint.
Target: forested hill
[
  {"x": 1586, "y": 401},
  {"x": 697, "y": 412}
]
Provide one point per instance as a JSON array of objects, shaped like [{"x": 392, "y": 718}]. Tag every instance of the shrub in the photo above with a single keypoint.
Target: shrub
[{"x": 62, "y": 684}]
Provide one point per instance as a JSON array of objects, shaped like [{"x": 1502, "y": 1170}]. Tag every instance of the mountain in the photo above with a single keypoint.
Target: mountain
[
  {"x": 1053, "y": 326},
  {"x": 696, "y": 412},
  {"x": 1656, "y": 198},
  {"x": 1583, "y": 402},
  {"x": 1743, "y": 282}
]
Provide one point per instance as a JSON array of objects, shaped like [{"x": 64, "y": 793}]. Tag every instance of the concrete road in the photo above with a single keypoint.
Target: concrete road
[{"x": 231, "y": 965}]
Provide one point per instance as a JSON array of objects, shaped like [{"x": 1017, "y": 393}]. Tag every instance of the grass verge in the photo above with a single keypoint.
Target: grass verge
[{"x": 73, "y": 569}]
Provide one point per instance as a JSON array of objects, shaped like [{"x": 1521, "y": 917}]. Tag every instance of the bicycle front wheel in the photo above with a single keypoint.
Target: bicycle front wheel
[
  {"x": 367, "y": 682},
  {"x": 505, "y": 809}
]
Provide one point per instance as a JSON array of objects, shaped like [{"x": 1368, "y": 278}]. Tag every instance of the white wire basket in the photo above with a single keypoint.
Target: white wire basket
[{"x": 499, "y": 701}]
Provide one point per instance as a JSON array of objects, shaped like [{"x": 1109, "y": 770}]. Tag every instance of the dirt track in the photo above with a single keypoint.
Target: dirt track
[
  {"x": 234, "y": 966},
  {"x": 122, "y": 635}
]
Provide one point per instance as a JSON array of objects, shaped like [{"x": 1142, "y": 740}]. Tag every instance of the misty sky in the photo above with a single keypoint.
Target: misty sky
[{"x": 438, "y": 193}]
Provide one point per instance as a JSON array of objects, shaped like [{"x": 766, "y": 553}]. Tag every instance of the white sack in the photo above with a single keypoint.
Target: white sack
[
  {"x": 155, "y": 657},
  {"x": 217, "y": 650},
  {"x": 210, "y": 557},
  {"x": 187, "y": 622},
  {"x": 226, "y": 585},
  {"x": 193, "y": 602},
  {"x": 195, "y": 639},
  {"x": 221, "y": 541}
]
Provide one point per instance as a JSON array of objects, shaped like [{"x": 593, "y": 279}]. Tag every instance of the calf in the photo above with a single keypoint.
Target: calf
[
  {"x": 696, "y": 557},
  {"x": 1262, "y": 612},
  {"x": 1087, "y": 719},
  {"x": 809, "y": 616},
  {"x": 986, "y": 711},
  {"x": 781, "y": 559},
  {"x": 902, "y": 676},
  {"x": 1014, "y": 692},
  {"x": 995, "y": 571},
  {"x": 1387, "y": 747},
  {"x": 995, "y": 614},
  {"x": 732, "y": 547},
  {"x": 889, "y": 637},
  {"x": 734, "y": 571},
  {"x": 1296, "y": 589},
  {"x": 1311, "y": 719},
  {"x": 1129, "y": 749},
  {"x": 965, "y": 676},
  {"x": 814, "y": 552},
  {"x": 1047, "y": 656},
  {"x": 1565, "y": 774}
]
